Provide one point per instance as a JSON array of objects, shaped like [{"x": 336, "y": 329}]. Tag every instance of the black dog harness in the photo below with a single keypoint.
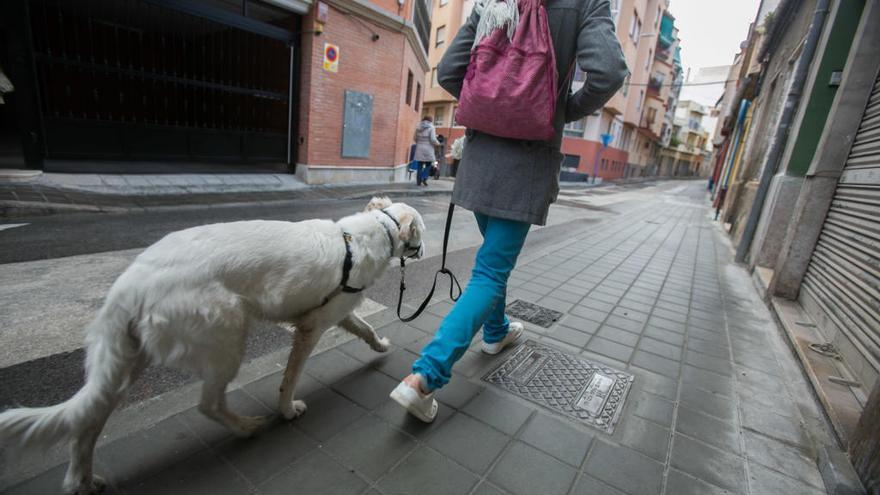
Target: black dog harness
[{"x": 347, "y": 265}]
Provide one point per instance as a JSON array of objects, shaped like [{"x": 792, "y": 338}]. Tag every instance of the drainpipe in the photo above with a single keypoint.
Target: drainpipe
[{"x": 781, "y": 134}]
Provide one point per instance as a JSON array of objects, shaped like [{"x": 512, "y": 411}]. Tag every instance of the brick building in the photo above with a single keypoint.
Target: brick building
[{"x": 202, "y": 85}]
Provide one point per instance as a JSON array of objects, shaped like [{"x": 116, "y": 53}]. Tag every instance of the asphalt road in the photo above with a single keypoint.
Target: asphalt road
[{"x": 54, "y": 376}]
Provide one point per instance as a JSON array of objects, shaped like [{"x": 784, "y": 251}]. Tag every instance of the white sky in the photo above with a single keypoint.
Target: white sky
[{"x": 710, "y": 33}]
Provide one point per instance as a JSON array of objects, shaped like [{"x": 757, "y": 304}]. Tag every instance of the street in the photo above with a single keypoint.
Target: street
[{"x": 721, "y": 406}]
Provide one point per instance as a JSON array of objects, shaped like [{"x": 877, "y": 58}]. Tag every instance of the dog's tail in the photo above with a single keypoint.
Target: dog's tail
[{"x": 111, "y": 353}]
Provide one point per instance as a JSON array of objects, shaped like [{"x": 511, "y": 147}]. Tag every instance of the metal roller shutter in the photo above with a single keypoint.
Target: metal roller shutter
[{"x": 844, "y": 273}]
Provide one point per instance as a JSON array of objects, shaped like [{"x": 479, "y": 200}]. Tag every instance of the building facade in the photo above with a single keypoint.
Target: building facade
[{"x": 329, "y": 90}]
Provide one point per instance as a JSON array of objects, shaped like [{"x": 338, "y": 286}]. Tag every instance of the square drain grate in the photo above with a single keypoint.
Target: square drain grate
[
  {"x": 586, "y": 391},
  {"x": 532, "y": 313}
]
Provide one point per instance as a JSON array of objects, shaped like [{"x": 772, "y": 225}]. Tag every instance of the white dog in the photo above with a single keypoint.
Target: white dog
[{"x": 187, "y": 301}]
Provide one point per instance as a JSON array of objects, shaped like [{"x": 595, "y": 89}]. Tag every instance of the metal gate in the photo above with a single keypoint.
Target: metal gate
[
  {"x": 843, "y": 277},
  {"x": 159, "y": 79}
]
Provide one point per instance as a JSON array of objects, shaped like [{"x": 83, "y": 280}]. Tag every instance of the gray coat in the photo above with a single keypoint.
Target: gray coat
[
  {"x": 425, "y": 138},
  {"x": 517, "y": 180}
]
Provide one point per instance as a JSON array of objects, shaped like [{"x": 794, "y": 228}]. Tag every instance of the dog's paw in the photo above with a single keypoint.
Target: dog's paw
[
  {"x": 87, "y": 487},
  {"x": 248, "y": 425},
  {"x": 382, "y": 345},
  {"x": 294, "y": 409}
]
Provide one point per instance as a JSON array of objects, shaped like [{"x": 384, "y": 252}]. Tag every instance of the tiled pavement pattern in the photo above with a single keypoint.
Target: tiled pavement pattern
[{"x": 717, "y": 405}]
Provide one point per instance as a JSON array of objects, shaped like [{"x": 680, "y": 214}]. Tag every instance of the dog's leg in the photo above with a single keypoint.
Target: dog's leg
[
  {"x": 304, "y": 342},
  {"x": 359, "y": 327},
  {"x": 213, "y": 405},
  {"x": 80, "y": 478}
]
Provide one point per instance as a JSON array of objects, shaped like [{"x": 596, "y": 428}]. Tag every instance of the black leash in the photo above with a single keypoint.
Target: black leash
[{"x": 443, "y": 270}]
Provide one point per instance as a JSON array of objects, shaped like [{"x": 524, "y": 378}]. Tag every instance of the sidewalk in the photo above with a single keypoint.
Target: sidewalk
[
  {"x": 58, "y": 193},
  {"x": 718, "y": 403}
]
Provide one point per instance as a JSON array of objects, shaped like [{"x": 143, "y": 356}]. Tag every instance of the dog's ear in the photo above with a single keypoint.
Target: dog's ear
[
  {"x": 407, "y": 226},
  {"x": 378, "y": 203}
]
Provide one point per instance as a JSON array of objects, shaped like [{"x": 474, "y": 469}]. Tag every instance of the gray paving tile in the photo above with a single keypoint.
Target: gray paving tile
[
  {"x": 618, "y": 335},
  {"x": 498, "y": 411},
  {"x": 458, "y": 391},
  {"x": 710, "y": 403},
  {"x": 524, "y": 470},
  {"x": 782, "y": 458},
  {"x": 427, "y": 472},
  {"x": 396, "y": 364},
  {"x": 471, "y": 443},
  {"x": 555, "y": 304},
  {"x": 668, "y": 325},
  {"x": 588, "y": 313},
  {"x": 707, "y": 362},
  {"x": 587, "y": 485},
  {"x": 767, "y": 422},
  {"x": 314, "y": 474},
  {"x": 660, "y": 385},
  {"x": 50, "y": 482},
  {"x": 597, "y": 304},
  {"x": 714, "y": 338},
  {"x": 267, "y": 453},
  {"x": 474, "y": 363},
  {"x": 557, "y": 438},
  {"x": 327, "y": 414},
  {"x": 707, "y": 380},
  {"x": 711, "y": 430},
  {"x": 631, "y": 314},
  {"x": 370, "y": 446},
  {"x": 598, "y": 295},
  {"x": 441, "y": 309},
  {"x": 640, "y": 305},
  {"x": 487, "y": 488},
  {"x": 328, "y": 367},
  {"x": 158, "y": 448},
  {"x": 580, "y": 324},
  {"x": 669, "y": 315},
  {"x": 202, "y": 473},
  {"x": 657, "y": 364},
  {"x": 660, "y": 348},
  {"x": 568, "y": 336},
  {"x": 609, "y": 348},
  {"x": 646, "y": 437},
  {"x": 565, "y": 295},
  {"x": 679, "y": 483},
  {"x": 669, "y": 337},
  {"x": 708, "y": 348},
  {"x": 367, "y": 387},
  {"x": 766, "y": 482},
  {"x": 359, "y": 350},
  {"x": 624, "y": 469},
  {"x": 709, "y": 464},
  {"x": 625, "y": 324},
  {"x": 653, "y": 408}
]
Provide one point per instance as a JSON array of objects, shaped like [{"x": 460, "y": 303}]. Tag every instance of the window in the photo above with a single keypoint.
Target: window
[
  {"x": 440, "y": 36},
  {"x": 443, "y": 2},
  {"x": 650, "y": 57},
  {"x": 615, "y": 10},
  {"x": 576, "y": 128},
  {"x": 454, "y": 114},
  {"x": 625, "y": 87},
  {"x": 409, "y": 87},
  {"x": 418, "y": 96},
  {"x": 639, "y": 103},
  {"x": 635, "y": 27},
  {"x": 439, "y": 115},
  {"x": 659, "y": 15},
  {"x": 434, "y": 77}
]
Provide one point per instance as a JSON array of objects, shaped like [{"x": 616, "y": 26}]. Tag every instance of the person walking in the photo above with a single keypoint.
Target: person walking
[
  {"x": 425, "y": 138},
  {"x": 509, "y": 184}
]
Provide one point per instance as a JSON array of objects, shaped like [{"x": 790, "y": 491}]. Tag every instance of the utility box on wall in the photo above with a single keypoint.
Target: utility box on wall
[{"x": 357, "y": 125}]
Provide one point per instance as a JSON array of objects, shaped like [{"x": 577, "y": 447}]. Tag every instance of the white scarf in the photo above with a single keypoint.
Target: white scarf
[{"x": 496, "y": 14}]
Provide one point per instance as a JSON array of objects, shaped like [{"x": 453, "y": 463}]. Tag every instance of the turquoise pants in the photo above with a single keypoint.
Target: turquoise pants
[{"x": 481, "y": 304}]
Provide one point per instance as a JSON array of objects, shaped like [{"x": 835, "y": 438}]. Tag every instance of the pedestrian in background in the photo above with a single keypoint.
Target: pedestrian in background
[
  {"x": 425, "y": 138},
  {"x": 509, "y": 184},
  {"x": 455, "y": 152}
]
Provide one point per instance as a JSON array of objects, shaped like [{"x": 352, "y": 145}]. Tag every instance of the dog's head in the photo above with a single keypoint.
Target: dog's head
[{"x": 410, "y": 226}]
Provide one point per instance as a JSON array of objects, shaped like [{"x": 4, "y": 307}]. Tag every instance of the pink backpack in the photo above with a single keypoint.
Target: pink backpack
[{"x": 510, "y": 86}]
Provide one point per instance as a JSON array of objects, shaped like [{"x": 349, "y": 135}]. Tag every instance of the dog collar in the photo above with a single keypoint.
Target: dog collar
[
  {"x": 406, "y": 245},
  {"x": 347, "y": 266}
]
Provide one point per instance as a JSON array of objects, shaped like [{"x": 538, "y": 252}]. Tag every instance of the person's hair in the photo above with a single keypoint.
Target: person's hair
[{"x": 428, "y": 118}]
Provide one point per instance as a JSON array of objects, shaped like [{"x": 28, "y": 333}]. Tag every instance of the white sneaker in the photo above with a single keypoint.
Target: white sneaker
[
  {"x": 514, "y": 332},
  {"x": 423, "y": 407}
]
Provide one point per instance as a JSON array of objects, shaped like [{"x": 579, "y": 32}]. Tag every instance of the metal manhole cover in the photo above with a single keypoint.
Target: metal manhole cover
[
  {"x": 532, "y": 313},
  {"x": 586, "y": 391}
]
